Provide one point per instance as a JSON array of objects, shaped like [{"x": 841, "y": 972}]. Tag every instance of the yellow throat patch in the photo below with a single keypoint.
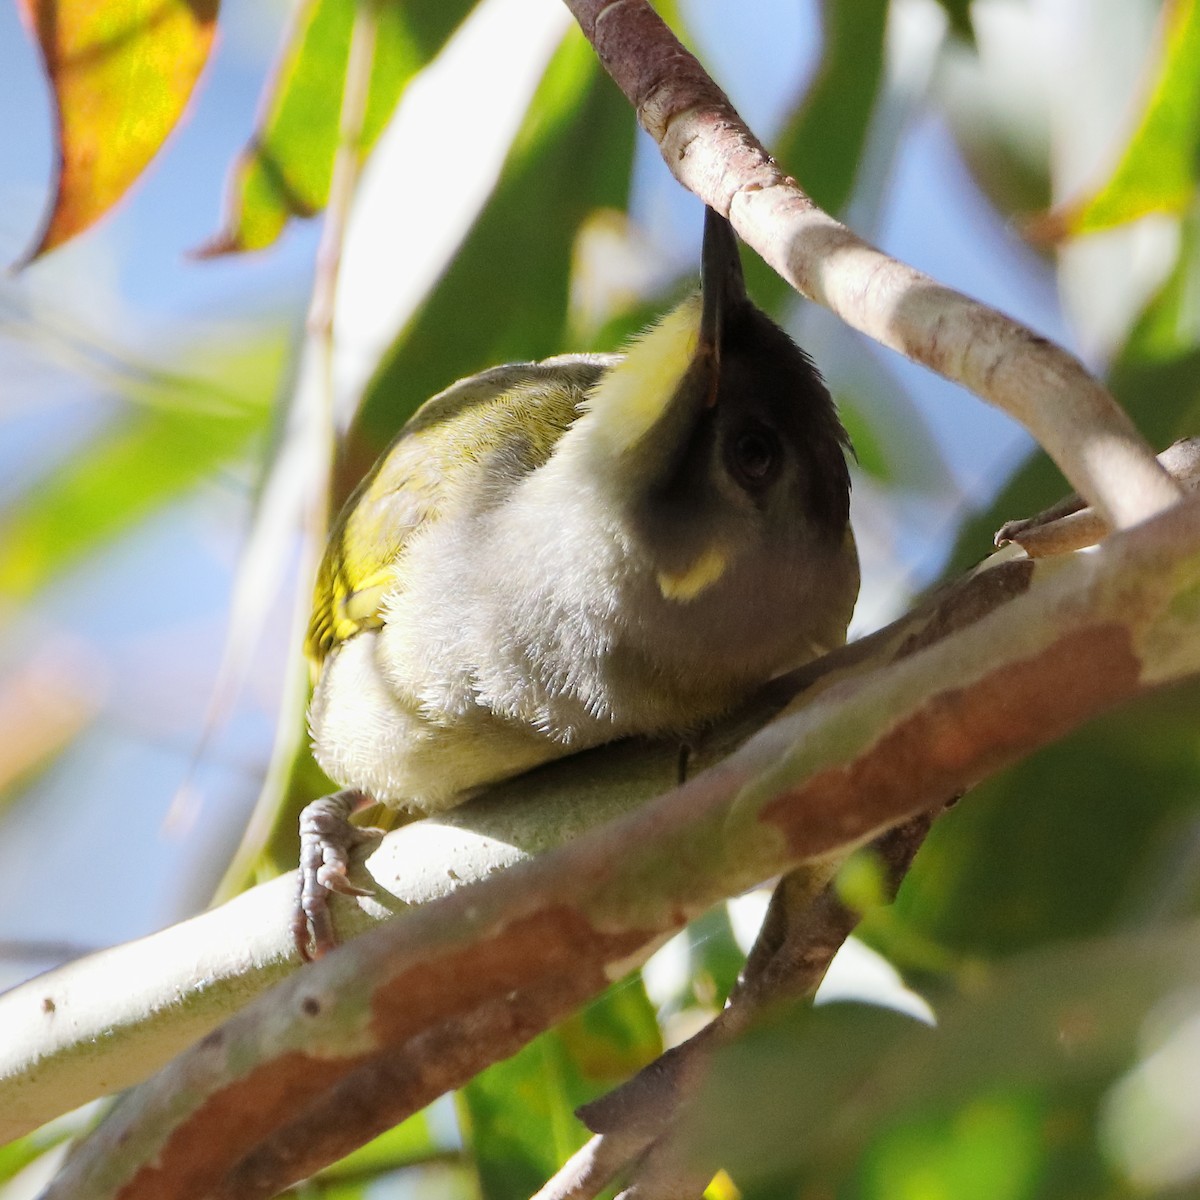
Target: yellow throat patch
[{"x": 692, "y": 580}]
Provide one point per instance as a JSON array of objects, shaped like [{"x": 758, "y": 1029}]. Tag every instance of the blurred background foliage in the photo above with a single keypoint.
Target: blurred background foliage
[{"x": 1041, "y": 154}]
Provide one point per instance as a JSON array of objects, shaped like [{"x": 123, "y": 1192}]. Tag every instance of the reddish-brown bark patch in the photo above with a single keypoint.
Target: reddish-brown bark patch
[
  {"x": 960, "y": 736},
  {"x": 558, "y": 943},
  {"x": 543, "y": 944},
  {"x": 196, "y": 1155}
]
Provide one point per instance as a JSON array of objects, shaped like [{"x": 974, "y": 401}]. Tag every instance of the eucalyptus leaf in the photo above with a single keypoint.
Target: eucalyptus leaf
[
  {"x": 1000, "y": 1100},
  {"x": 286, "y": 168},
  {"x": 178, "y": 431},
  {"x": 1160, "y": 165},
  {"x": 504, "y": 297}
]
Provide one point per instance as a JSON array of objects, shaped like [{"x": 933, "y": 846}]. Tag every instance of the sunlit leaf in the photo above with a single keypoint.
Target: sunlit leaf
[
  {"x": 1158, "y": 169},
  {"x": 153, "y": 452},
  {"x": 286, "y": 168},
  {"x": 15, "y": 1156},
  {"x": 519, "y": 1115},
  {"x": 122, "y": 72},
  {"x": 505, "y": 296}
]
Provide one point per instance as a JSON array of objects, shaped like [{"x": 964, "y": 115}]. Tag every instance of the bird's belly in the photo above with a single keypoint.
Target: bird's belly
[{"x": 366, "y": 736}]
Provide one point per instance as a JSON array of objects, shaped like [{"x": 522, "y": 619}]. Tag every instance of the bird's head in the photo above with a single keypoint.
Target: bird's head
[{"x": 727, "y": 458}]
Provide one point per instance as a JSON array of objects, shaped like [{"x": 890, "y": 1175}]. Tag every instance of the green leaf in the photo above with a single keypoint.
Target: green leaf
[
  {"x": 613, "y": 1037},
  {"x": 408, "y": 1144},
  {"x": 716, "y": 958},
  {"x": 16, "y": 1155},
  {"x": 519, "y": 1115},
  {"x": 122, "y": 72},
  {"x": 958, "y": 13},
  {"x": 519, "y": 1119},
  {"x": 1158, "y": 170},
  {"x": 999, "y": 1101},
  {"x": 182, "y": 431},
  {"x": 1073, "y": 842},
  {"x": 822, "y": 144},
  {"x": 505, "y": 296},
  {"x": 989, "y": 1149},
  {"x": 286, "y": 168},
  {"x": 824, "y": 139},
  {"x": 891, "y": 438},
  {"x": 1168, "y": 328}
]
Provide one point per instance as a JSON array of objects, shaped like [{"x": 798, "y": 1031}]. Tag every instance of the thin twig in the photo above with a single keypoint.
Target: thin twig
[{"x": 1069, "y": 525}]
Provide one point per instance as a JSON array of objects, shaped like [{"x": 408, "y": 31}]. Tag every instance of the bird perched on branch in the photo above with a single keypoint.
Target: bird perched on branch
[{"x": 553, "y": 555}]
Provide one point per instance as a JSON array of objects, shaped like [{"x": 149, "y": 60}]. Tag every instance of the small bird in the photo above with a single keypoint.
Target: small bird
[{"x": 552, "y": 555}]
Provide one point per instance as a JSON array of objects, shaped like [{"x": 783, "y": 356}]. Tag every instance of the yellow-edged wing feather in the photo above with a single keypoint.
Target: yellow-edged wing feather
[{"x": 522, "y": 408}]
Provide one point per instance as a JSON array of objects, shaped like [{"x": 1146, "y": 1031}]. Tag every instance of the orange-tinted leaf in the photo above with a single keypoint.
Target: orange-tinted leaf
[{"x": 122, "y": 72}]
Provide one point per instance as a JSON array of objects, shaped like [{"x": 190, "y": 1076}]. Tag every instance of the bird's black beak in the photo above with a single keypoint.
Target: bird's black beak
[{"x": 722, "y": 285}]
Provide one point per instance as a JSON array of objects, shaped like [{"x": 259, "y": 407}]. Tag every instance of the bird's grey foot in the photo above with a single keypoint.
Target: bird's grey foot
[{"x": 326, "y": 839}]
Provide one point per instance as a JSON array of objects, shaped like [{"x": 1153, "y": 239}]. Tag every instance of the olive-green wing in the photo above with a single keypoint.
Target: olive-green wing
[{"x": 428, "y": 472}]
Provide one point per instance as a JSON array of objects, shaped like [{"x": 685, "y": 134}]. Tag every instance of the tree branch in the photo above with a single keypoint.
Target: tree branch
[
  {"x": 105, "y": 1022},
  {"x": 709, "y": 149},
  {"x": 939, "y": 707}
]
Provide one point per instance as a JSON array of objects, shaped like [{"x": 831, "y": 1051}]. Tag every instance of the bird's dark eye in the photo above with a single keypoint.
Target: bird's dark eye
[{"x": 754, "y": 456}]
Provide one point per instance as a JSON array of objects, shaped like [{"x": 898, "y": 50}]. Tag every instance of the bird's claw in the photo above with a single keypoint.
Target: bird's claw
[
  {"x": 326, "y": 840},
  {"x": 332, "y": 877}
]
